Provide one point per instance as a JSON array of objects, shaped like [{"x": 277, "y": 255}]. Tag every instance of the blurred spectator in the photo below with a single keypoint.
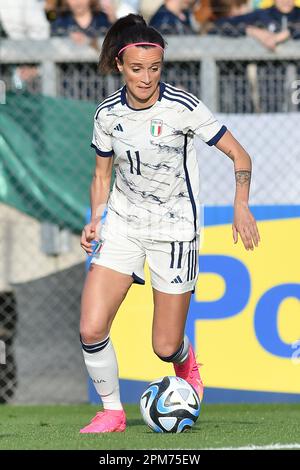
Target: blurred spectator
[
  {"x": 226, "y": 8},
  {"x": 22, "y": 19},
  {"x": 212, "y": 10},
  {"x": 83, "y": 20},
  {"x": 117, "y": 8},
  {"x": 122, "y": 7},
  {"x": 51, "y": 7},
  {"x": 203, "y": 12},
  {"x": 270, "y": 26},
  {"x": 147, "y": 8},
  {"x": 174, "y": 17}
]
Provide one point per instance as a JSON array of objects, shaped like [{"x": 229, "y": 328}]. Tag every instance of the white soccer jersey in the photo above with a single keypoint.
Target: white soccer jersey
[{"x": 156, "y": 189}]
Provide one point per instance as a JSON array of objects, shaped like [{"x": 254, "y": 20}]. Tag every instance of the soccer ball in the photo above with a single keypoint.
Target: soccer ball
[{"x": 170, "y": 404}]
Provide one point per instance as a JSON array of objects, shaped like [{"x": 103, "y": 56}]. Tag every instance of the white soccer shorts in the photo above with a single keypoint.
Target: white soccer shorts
[{"x": 173, "y": 265}]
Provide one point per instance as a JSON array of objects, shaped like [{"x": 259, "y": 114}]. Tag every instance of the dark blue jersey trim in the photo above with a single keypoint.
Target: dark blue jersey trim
[
  {"x": 188, "y": 183},
  {"x": 109, "y": 98},
  {"x": 101, "y": 153},
  {"x": 183, "y": 96},
  {"x": 123, "y": 95},
  {"x": 189, "y": 263},
  {"x": 108, "y": 105},
  {"x": 178, "y": 101},
  {"x": 178, "y": 90},
  {"x": 217, "y": 137},
  {"x": 124, "y": 101},
  {"x": 172, "y": 254},
  {"x": 180, "y": 254},
  {"x": 162, "y": 90}
]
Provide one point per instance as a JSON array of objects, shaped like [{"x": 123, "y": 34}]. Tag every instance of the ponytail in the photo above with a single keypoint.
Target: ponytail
[{"x": 127, "y": 30}]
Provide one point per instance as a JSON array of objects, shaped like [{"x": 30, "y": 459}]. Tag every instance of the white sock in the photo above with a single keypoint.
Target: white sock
[
  {"x": 101, "y": 363},
  {"x": 182, "y": 354}
]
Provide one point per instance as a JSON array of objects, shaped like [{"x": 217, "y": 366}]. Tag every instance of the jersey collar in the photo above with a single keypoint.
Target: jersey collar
[{"x": 162, "y": 87}]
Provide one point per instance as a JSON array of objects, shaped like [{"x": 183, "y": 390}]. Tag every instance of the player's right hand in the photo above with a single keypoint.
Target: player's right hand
[{"x": 89, "y": 234}]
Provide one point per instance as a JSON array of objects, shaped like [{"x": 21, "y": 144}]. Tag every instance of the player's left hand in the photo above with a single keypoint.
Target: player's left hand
[{"x": 245, "y": 225}]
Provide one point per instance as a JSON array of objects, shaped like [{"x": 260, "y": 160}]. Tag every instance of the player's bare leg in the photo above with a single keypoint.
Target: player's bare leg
[
  {"x": 168, "y": 339},
  {"x": 104, "y": 291}
]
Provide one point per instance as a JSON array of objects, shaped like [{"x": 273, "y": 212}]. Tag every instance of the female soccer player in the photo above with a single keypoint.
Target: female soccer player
[{"x": 146, "y": 131}]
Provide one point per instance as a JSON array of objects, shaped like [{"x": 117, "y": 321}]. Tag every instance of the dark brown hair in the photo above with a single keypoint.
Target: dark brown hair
[{"x": 127, "y": 30}]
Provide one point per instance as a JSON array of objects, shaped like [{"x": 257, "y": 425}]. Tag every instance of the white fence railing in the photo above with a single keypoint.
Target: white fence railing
[{"x": 209, "y": 66}]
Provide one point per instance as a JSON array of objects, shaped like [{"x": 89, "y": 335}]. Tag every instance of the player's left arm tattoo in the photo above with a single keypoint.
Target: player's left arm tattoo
[{"x": 243, "y": 177}]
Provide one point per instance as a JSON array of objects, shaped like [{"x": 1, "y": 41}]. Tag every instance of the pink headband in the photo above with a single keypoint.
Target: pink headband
[{"x": 140, "y": 44}]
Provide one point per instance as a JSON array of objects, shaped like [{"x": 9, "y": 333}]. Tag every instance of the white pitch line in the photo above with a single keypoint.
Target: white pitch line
[{"x": 277, "y": 446}]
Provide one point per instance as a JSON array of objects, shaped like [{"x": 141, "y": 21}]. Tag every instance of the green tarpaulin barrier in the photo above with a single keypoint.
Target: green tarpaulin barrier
[{"x": 46, "y": 163}]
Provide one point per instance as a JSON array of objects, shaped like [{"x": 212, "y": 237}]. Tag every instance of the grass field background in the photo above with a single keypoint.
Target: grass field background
[{"x": 57, "y": 427}]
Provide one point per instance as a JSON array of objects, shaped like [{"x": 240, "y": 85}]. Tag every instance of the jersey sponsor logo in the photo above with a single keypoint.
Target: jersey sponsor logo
[
  {"x": 118, "y": 128},
  {"x": 156, "y": 127}
]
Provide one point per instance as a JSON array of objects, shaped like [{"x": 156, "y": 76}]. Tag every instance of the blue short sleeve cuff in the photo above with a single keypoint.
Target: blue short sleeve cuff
[
  {"x": 101, "y": 153},
  {"x": 217, "y": 137}
]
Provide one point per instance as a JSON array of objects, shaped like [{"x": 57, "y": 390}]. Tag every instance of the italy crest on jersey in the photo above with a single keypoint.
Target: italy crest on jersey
[{"x": 156, "y": 127}]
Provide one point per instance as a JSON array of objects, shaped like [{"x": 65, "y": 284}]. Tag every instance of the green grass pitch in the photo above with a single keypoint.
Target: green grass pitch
[{"x": 57, "y": 427}]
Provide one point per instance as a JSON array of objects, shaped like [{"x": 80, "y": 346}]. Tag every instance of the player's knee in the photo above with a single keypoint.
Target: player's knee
[
  {"x": 166, "y": 350},
  {"x": 91, "y": 335}
]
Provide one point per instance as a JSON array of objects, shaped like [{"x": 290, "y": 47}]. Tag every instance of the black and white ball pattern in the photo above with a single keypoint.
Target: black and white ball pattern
[{"x": 170, "y": 404}]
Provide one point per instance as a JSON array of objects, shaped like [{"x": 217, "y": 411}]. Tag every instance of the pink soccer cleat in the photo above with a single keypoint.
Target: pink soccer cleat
[
  {"x": 189, "y": 371},
  {"x": 106, "y": 421}
]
